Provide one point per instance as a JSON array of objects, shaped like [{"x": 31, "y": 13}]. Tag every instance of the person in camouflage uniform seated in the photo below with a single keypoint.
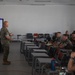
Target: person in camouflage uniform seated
[
  {"x": 65, "y": 42},
  {"x": 5, "y": 41}
]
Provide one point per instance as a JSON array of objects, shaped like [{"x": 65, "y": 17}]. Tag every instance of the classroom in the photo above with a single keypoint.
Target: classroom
[{"x": 37, "y": 37}]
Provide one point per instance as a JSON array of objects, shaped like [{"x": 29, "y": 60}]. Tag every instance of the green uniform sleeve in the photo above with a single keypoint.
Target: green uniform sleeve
[{"x": 6, "y": 32}]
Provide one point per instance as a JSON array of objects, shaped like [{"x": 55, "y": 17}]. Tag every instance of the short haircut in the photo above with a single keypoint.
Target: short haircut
[
  {"x": 65, "y": 35},
  {"x": 59, "y": 32},
  {"x": 4, "y": 23},
  {"x": 73, "y": 32}
]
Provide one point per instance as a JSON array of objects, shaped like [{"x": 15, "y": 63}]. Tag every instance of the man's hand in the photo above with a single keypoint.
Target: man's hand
[
  {"x": 9, "y": 38},
  {"x": 11, "y": 34}
]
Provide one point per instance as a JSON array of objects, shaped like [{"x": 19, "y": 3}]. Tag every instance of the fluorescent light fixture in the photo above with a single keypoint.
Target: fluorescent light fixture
[
  {"x": 42, "y": 0},
  {"x": 37, "y": 4},
  {"x": 20, "y": 0},
  {"x": 1, "y": 0}
]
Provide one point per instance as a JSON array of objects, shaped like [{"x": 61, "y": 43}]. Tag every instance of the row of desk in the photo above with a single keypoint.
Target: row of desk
[{"x": 34, "y": 55}]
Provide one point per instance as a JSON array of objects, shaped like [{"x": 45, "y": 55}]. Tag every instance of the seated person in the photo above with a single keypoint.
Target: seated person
[
  {"x": 67, "y": 33},
  {"x": 73, "y": 32},
  {"x": 65, "y": 42},
  {"x": 55, "y": 43},
  {"x": 48, "y": 38},
  {"x": 71, "y": 63},
  {"x": 73, "y": 38},
  {"x": 57, "y": 39},
  {"x": 54, "y": 36}
]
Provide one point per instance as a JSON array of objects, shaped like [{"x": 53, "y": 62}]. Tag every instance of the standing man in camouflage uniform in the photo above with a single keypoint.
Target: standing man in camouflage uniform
[{"x": 5, "y": 41}]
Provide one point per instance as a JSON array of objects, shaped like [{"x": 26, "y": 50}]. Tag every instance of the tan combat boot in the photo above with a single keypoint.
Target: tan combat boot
[{"x": 5, "y": 62}]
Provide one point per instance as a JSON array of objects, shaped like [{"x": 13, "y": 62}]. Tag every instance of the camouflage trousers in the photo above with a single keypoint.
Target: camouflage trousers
[{"x": 6, "y": 52}]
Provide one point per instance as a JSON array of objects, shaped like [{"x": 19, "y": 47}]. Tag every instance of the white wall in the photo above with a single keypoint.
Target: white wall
[
  {"x": 42, "y": 19},
  {"x": 72, "y": 18}
]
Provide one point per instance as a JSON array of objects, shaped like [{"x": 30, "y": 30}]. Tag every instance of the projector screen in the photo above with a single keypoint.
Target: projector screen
[{"x": 1, "y": 22}]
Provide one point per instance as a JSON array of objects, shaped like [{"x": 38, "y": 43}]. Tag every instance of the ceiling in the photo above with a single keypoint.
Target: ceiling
[{"x": 37, "y": 2}]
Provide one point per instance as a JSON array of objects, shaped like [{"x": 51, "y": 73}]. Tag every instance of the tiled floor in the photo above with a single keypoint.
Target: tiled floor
[{"x": 18, "y": 66}]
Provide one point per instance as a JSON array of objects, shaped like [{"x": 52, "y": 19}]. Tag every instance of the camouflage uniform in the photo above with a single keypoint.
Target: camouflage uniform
[
  {"x": 5, "y": 42},
  {"x": 67, "y": 44}
]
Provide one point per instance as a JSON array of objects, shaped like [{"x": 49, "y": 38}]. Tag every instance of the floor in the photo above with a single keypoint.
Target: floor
[{"x": 18, "y": 66}]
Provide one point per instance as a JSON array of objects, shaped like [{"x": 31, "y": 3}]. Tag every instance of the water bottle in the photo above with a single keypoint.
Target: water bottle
[{"x": 53, "y": 64}]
